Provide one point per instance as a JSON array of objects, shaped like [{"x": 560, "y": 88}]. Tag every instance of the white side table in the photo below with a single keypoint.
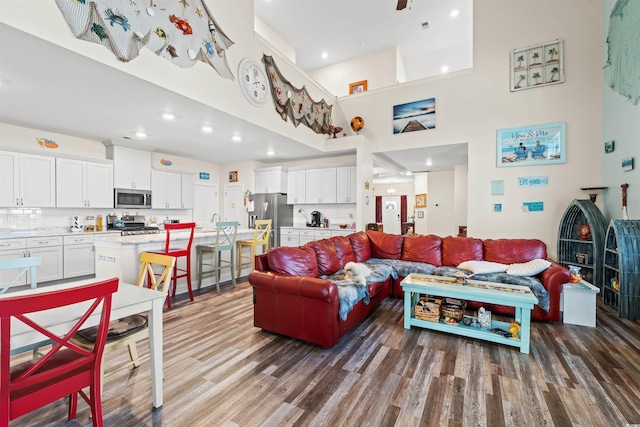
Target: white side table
[{"x": 578, "y": 302}]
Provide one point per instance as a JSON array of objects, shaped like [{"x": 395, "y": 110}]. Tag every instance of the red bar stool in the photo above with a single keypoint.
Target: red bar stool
[{"x": 179, "y": 253}]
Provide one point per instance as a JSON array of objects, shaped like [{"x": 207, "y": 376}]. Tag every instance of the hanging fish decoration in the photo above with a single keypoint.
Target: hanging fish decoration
[{"x": 181, "y": 24}]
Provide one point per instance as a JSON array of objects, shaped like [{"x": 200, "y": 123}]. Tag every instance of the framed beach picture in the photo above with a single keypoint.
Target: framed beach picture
[
  {"x": 414, "y": 116},
  {"x": 532, "y": 145},
  {"x": 535, "y": 66}
]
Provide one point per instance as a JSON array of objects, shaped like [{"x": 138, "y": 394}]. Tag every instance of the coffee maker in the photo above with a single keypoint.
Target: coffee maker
[{"x": 316, "y": 219}]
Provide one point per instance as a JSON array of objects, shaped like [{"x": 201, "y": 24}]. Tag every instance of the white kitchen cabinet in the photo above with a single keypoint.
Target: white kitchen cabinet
[
  {"x": 166, "y": 188},
  {"x": 346, "y": 184},
  {"x": 188, "y": 190},
  {"x": 270, "y": 180},
  {"x": 321, "y": 185},
  {"x": 306, "y": 236},
  {"x": 83, "y": 184},
  {"x": 12, "y": 249},
  {"x": 342, "y": 232},
  {"x": 131, "y": 167},
  {"x": 296, "y": 187},
  {"x": 289, "y": 237},
  {"x": 79, "y": 256},
  {"x": 27, "y": 180},
  {"x": 49, "y": 249}
]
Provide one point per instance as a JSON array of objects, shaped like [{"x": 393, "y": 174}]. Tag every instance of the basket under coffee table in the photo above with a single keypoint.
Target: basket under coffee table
[{"x": 519, "y": 297}]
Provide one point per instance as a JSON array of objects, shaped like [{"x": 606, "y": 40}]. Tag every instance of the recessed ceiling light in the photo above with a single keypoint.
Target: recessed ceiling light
[
  {"x": 236, "y": 138},
  {"x": 325, "y": 55},
  {"x": 141, "y": 134},
  {"x": 454, "y": 13},
  {"x": 270, "y": 153},
  {"x": 408, "y": 173},
  {"x": 207, "y": 129},
  {"x": 168, "y": 116},
  {"x": 444, "y": 69},
  {"x": 429, "y": 162}
]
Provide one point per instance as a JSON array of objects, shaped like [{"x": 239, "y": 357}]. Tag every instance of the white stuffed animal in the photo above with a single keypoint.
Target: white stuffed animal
[{"x": 357, "y": 272}]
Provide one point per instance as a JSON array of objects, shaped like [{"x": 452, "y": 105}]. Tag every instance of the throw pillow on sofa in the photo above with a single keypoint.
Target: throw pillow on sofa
[
  {"x": 529, "y": 268},
  {"x": 298, "y": 261},
  {"x": 326, "y": 256},
  {"x": 483, "y": 267},
  {"x": 384, "y": 245},
  {"x": 421, "y": 248}
]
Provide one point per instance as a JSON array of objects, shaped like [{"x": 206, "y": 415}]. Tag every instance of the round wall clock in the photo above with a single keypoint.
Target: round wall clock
[{"x": 253, "y": 82}]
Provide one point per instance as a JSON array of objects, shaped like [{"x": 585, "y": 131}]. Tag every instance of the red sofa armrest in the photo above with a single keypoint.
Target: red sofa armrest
[
  {"x": 552, "y": 279},
  {"x": 308, "y": 287}
]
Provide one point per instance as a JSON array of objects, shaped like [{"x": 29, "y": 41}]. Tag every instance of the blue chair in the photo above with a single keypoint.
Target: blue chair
[
  {"x": 24, "y": 264},
  {"x": 521, "y": 153},
  {"x": 225, "y": 241},
  {"x": 538, "y": 151}
]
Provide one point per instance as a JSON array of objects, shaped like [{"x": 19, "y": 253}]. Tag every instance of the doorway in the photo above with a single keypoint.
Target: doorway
[
  {"x": 391, "y": 214},
  {"x": 205, "y": 204},
  {"x": 233, "y": 203}
]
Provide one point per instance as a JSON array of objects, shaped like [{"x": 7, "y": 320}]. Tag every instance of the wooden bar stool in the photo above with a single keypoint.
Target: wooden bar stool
[
  {"x": 179, "y": 253},
  {"x": 260, "y": 238},
  {"x": 225, "y": 241}
]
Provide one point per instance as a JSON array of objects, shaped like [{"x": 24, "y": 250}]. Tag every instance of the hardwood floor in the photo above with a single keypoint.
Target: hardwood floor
[{"x": 222, "y": 371}]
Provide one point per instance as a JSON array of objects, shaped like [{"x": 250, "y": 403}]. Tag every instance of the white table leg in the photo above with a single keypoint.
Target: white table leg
[{"x": 155, "y": 350}]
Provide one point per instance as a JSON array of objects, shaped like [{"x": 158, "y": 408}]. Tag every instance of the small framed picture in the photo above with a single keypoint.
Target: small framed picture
[
  {"x": 608, "y": 146},
  {"x": 420, "y": 214},
  {"x": 627, "y": 164},
  {"x": 497, "y": 207},
  {"x": 233, "y": 176},
  {"x": 357, "y": 87},
  {"x": 421, "y": 200},
  {"x": 581, "y": 258}
]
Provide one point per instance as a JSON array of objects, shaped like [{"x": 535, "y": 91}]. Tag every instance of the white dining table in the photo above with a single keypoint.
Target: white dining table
[{"x": 128, "y": 300}]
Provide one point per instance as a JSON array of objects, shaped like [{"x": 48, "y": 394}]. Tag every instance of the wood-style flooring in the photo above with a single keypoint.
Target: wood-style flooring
[{"x": 222, "y": 371}]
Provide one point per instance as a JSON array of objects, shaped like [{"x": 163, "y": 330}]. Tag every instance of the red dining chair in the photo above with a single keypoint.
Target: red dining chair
[
  {"x": 179, "y": 253},
  {"x": 65, "y": 369}
]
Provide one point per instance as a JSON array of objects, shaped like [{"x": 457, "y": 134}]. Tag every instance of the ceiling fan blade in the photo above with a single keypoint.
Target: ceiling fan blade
[{"x": 401, "y": 4}]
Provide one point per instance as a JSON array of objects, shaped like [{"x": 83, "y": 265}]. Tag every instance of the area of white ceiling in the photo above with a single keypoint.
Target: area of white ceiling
[
  {"x": 57, "y": 98},
  {"x": 429, "y": 34}
]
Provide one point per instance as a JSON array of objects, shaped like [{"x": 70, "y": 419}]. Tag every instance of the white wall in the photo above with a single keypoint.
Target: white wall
[
  {"x": 274, "y": 39},
  {"x": 620, "y": 123},
  {"x": 460, "y": 195},
  {"x": 378, "y": 69},
  {"x": 472, "y": 105}
]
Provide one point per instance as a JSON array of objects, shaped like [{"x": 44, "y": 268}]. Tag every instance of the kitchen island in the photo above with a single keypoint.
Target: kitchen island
[{"x": 119, "y": 256}]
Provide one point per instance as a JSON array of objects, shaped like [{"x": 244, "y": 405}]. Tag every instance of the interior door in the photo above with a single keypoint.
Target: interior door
[
  {"x": 233, "y": 203},
  {"x": 391, "y": 214}
]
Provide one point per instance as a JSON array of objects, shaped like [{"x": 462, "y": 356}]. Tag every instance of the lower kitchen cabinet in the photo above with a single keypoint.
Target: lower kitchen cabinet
[
  {"x": 12, "y": 249},
  {"x": 79, "y": 257},
  {"x": 49, "y": 249},
  {"x": 289, "y": 237}
]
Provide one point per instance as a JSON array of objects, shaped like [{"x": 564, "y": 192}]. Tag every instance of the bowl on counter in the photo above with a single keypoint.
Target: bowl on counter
[{"x": 343, "y": 226}]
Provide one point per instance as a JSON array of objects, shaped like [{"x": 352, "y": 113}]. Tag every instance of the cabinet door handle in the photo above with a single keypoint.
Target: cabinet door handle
[
  {"x": 17, "y": 202},
  {"x": 21, "y": 202}
]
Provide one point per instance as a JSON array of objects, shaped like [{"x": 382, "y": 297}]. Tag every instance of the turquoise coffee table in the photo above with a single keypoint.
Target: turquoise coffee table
[{"x": 519, "y": 297}]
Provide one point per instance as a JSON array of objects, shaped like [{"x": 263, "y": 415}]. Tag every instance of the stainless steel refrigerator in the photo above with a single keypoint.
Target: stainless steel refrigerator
[{"x": 271, "y": 206}]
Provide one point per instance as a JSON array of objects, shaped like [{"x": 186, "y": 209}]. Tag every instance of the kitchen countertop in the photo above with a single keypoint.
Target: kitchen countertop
[
  {"x": 138, "y": 239},
  {"x": 332, "y": 228},
  {"x": 18, "y": 234}
]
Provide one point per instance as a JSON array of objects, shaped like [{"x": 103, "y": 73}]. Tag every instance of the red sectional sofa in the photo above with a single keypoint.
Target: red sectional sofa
[{"x": 291, "y": 299}]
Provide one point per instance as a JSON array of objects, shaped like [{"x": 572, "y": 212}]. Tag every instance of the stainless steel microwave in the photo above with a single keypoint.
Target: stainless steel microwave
[{"x": 127, "y": 198}]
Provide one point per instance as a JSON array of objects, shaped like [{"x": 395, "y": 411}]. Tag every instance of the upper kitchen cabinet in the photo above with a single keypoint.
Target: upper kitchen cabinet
[
  {"x": 188, "y": 191},
  {"x": 27, "y": 180},
  {"x": 270, "y": 180},
  {"x": 296, "y": 191},
  {"x": 346, "y": 188},
  {"x": 84, "y": 184},
  {"x": 166, "y": 190},
  {"x": 131, "y": 167},
  {"x": 321, "y": 185}
]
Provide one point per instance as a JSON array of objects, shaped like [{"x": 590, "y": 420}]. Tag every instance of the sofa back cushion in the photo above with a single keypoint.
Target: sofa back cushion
[
  {"x": 326, "y": 256},
  {"x": 512, "y": 251},
  {"x": 458, "y": 249},
  {"x": 421, "y": 248},
  {"x": 360, "y": 245},
  {"x": 384, "y": 245},
  {"x": 300, "y": 261},
  {"x": 344, "y": 250}
]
